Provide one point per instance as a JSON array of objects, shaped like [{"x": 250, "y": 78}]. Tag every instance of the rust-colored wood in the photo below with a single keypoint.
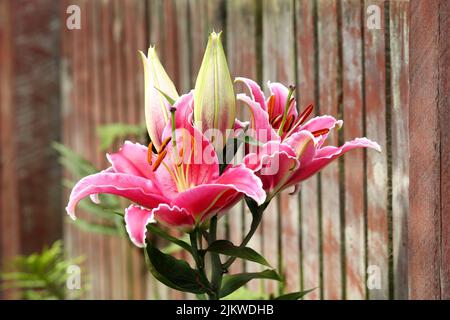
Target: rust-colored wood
[
  {"x": 399, "y": 33},
  {"x": 242, "y": 61},
  {"x": 278, "y": 66},
  {"x": 309, "y": 213},
  {"x": 329, "y": 187},
  {"x": 428, "y": 233},
  {"x": 9, "y": 217},
  {"x": 444, "y": 108},
  {"x": 377, "y": 179},
  {"x": 353, "y": 110}
]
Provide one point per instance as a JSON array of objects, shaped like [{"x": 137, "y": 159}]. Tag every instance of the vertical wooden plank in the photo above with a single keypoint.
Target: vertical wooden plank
[
  {"x": 88, "y": 147},
  {"x": 95, "y": 105},
  {"x": 278, "y": 65},
  {"x": 66, "y": 113},
  {"x": 306, "y": 57},
  {"x": 242, "y": 61},
  {"x": 9, "y": 217},
  {"x": 444, "y": 107},
  {"x": 75, "y": 141},
  {"x": 377, "y": 218},
  {"x": 353, "y": 164},
  {"x": 399, "y": 33},
  {"x": 425, "y": 224},
  {"x": 138, "y": 269},
  {"x": 328, "y": 104}
]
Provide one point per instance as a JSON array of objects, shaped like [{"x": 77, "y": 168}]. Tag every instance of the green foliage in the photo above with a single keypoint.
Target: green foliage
[
  {"x": 106, "y": 221},
  {"x": 229, "y": 249},
  {"x": 110, "y": 133},
  {"x": 41, "y": 275},
  {"x": 294, "y": 295},
  {"x": 233, "y": 282},
  {"x": 174, "y": 273}
]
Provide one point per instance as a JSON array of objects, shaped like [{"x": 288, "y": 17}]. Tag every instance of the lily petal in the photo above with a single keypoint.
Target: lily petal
[
  {"x": 208, "y": 199},
  {"x": 276, "y": 164},
  {"x": 327, "y": 154},
  {"x": 137, "y": 189},
  {"x": 131, "y": 159},
  {"x": 259, "y": 123},
  {"x": 136, "y": 220},
  {"x": 174, "y": 216},
  {"x": 255, "y": 91},
  {"x": 281, "y": 93}
]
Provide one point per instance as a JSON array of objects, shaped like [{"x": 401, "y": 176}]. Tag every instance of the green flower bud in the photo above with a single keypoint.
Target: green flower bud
[{"x": 214, "y": 98}]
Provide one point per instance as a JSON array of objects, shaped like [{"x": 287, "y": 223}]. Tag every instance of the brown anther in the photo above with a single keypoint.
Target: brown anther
[
  {"x": 289, "y": 122},
  {"x": 150, "y": 153},
  {"x": 181, "y": 152},
  {"x": 160, "y": 158},
  {"x": 305, "y": 114},
  {"x": 320, "y": 132},
  {"x": 270, "y": 106},
  {"x": 276, "y": 121},
  {"x": 164, "y": 144}
]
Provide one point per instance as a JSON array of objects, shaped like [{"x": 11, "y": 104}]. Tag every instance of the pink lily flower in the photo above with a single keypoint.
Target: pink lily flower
[
  {"x": 179, "y": 186},
  {"x": 292, "y": 148}
]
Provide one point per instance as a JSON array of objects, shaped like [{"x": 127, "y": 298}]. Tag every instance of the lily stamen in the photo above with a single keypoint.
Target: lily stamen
[
  {"x": 301, "y": 119},
  {"x": 320, "y": 132},
  {"x": 287, "y": 107},
  {"x": 164, "y": 144},
  {"x": 150, "y": 153},
  {"x": 159, "y": 159}
]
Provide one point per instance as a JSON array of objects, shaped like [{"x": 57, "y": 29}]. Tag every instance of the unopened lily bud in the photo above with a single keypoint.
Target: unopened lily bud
[
  {"x": 157, "y": 84},
  {"x": 214, "y": 98}
]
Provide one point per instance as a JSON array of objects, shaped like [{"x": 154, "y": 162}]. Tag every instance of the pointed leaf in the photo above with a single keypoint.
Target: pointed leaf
[
  {"x": 233, "y": 282},
  {"x": 294, "y": 295},
  {"x": 227, "y": 248},
  {"x": 174, "y": 273},
  {"x": 155, "y": 230}
]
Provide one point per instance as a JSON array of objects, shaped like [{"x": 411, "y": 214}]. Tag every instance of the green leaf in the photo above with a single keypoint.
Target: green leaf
[
  {"x": 172, "y": 247},
  {"x": 174, "y": 273},
  {"x": 168, "y": 98},
  {"x": 233, "y": 282},
  {"x": 294, "y": 295},
  {"x": 251, "y": 141},
  {"x": 94, "y": 228},
  {"x": 227, "y": 248},
  {"x": 245, "y": 294},
  {"x": 155, "y": 230},
  {"x": 111, "y": 132}
]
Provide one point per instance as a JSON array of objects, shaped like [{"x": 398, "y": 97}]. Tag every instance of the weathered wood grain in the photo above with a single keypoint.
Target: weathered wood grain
[
  {"x": 242, "y": 61},
  {"x": 328, "y": 104},
  {"x": 428, "y": 119},
  {"x": 353, "y": 110},
  {"x": 278, "y": 66},
  {"x": 444, "y": 107},
  {"x": 309, "y": 211},
  {"x": 399, "y": 33},
  {"x": 9, "y": 217},
  {"x": 377, "y": 177}
]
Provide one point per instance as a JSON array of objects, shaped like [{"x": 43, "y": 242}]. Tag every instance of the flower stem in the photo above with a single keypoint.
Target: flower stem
[
  {"x": 217, "y": 270},
  {"x": 257, "y": 213},
  {"x": 199, "y": 261}
]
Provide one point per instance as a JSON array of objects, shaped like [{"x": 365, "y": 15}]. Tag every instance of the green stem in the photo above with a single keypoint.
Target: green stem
[
  {"x": 199, "y": 261},
  {"x": 257, "y": 213},
  {"x": 217, "y": 270}
]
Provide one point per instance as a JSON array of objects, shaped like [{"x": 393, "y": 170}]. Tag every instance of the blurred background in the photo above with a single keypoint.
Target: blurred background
[{"x": 72, "y": 90}]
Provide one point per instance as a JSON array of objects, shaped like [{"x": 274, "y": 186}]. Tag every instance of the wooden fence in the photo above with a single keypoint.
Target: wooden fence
[{"x": 346, "y": 231}]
